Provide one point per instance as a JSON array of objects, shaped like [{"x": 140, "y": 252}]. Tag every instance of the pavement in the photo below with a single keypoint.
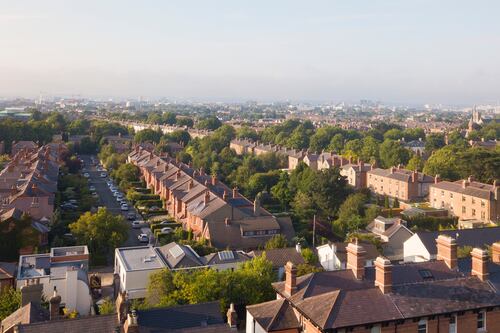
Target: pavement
[{"x": 106, "y": 199}]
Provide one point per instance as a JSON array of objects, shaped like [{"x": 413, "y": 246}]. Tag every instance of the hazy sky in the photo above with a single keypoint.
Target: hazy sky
[{"x": 416, "y": 51}]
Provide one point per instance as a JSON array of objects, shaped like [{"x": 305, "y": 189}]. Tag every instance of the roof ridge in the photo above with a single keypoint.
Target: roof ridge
[{"x": 276, "y": 315}]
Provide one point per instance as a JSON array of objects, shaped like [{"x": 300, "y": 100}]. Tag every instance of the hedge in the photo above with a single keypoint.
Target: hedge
[{"x": 149, "y": 203}]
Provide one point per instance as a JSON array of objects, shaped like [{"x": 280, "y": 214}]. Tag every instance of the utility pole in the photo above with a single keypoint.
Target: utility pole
[{"x": 314, "y": 231}]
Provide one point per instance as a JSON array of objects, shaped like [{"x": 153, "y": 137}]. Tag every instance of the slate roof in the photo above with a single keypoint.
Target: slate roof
[
  {"x": 173, "y": 319},
  {"x": 279, "y": 257},
  {"x": 7, "y": 270},
  {"x": 336, "y": 299},
  {"x": 401, "y": 175},
  {"x": 274, "y": 315},
  {"x": 93, "y": 324},
  {"x": 475, "y": 189},
  {"x": 465, "y": 237}
]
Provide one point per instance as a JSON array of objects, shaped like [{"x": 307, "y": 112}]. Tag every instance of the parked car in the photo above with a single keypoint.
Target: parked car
[
  {"x": 115, "y": 193},
  {"x": 166, "y": 222},
  {"x": 86, "y": 175},
  {"x": 166, "y": 230},
  {"x": 131, "y": 216},
  {"x": 103, "y": 175},
  {"x": 154, "y": 208},
  {"x": 73, "y": 201},
  {"x": 92, "y": 188},
  {"x": 143, "y": 238},
  {"x": 137, "y": 224},
  {"x": 124, "y": 207},
  {"x": 68, "y": 205}
]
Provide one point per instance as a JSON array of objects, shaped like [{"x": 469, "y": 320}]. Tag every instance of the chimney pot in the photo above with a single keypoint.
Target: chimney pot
[
  {"x": 232, "y": 318},
  {"x": 480, "y": 263},
  {"x": 383, "y": 274},
  {"x": 447, "y": 250},
  {"x": 54, "y": 306},
  {"x": 235, "y": 192},
  {"x": 356, "y": 259},
  {"x": 495, "y": 252},
  {"x": 290, "y": 278}
]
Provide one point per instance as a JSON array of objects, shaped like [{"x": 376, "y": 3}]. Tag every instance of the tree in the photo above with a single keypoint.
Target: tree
[
  {"x": 148, "y": 135},
  {"x": 395, "y": 204},
  {"x": 309, "y": 256},
  {"x": 434, "y": 142},
  {"x": 370, "y": 150},
  {"x": 185, "y": 121},
  {"x": 102, "y": 231},
  {"x": 276, "y": 242},
  {"x": 393, "y": 153},
  {"x": 386, "y": 202},
  {"x": 246, "y": 132},
  {"x": 303, "y": 269},
  {"x": 415, "y": 163},
  {"x": 443, "y": 162},
  {"x": 209, "y": 123},
  {"x": 337, "y": 143},
  {"x": 10, "y": 301},
  {"x": 350, "y": 212},
  {"x": 107, "y": 307},
  {"x": 393, "y": 134},
  {"x": 282, "y": 192}
]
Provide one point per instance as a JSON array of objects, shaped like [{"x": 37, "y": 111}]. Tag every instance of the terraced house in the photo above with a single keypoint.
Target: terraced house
[
  {"x": 207, "y": 206},
  {"x": 444, "y": 295},
  {"x": 467, "y": 199}
]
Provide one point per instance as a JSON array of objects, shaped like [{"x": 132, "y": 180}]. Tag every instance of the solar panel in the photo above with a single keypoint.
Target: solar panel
[
  {"x": 176, "y": 251},
  {"x": 226, "y": 255}
]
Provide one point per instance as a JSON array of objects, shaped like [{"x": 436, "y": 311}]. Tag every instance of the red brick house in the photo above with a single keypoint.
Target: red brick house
[{"x": 446, "y": 295}]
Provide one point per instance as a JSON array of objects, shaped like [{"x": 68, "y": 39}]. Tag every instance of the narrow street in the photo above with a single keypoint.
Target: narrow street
[{"x": 106, "y": 199}]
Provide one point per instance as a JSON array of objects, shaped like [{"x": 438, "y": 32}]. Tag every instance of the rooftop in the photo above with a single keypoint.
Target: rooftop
[{"x": 140, "y": 258}]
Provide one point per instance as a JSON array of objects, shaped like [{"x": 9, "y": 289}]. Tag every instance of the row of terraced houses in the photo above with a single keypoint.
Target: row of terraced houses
[
  {"x": 206, "y": 206},
  {"x": 466, "y": 199}
]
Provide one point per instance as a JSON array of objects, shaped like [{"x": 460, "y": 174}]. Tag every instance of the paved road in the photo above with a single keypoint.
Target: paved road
[{"x": 107, "y": 199}]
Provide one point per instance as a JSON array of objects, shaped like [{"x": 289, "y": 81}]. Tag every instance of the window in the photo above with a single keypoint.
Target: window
[
  {"x": 375, "y": 329},
  {"x": 442, "y": 193},
  {"x": 473, "y": 212},
  {"x": 481, "y": 321},
  {"x": 463, "y": 209},
  {"x": 422, "y": 326},
  {"x": 473, "y": 201},
  {"x": 442, "y": 204},
  {"x": 453, "y": 324},
  {"x": 451, "y": 195},
  {"x": 463, "y": 198},
  {"x": 483, "y": 215},
  {"x": 482, "y": 203}
]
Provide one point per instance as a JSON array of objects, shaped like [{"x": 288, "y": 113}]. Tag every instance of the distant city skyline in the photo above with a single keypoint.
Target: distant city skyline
[{"x": 407, "y": 52}]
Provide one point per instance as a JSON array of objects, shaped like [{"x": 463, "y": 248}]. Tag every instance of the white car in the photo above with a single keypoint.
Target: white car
[
  {"x": 116, "y": 193},
  {"x": 92, "y": 188},
  {"x": 143, "y": 238},
  {"x": 103, "y": 175},
  {"x": 137, "y": 224},
  {"x": 166, "y": 230},
  {"x": 124, "y": 207},
  {"x": 86, "y": 175}
]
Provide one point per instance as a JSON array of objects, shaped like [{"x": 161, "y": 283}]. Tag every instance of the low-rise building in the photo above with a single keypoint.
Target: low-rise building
[
  {"x": 134, "y": 265},
  {"x": 405, "y": 185},
  {"x": 467, "y": 199},
  {"x": 279, "y": 257},
  {"x": 356, "y": 173},
  {"x": 393, "y": 233},
  {"x": 431, "y": 297},
  {"x": 7, "y": 275},
  {"x": 64, "y": 269}
]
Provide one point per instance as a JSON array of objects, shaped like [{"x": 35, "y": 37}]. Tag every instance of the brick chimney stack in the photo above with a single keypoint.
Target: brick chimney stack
[
  {"x": 224, "y": 196},
  {"x": 235, "y": 192},
  {"x": 214, "y": 180},
  {"x": 207, "y": 197},
  {"x": 479, "y": 263},
  {"x": 232, "y": 317},
  {"x": 356, "y": 259},
  {"x": 131, "y": 325},
  {"x": 31, "y": 292},
  {"x": 383, "y": 274},
  {"x": 436, "y": 179},
  {"x": 290, "y": 278},
  {"x": 256, "y": 207},
  {"x": 447, "y": 250},
  {"x": 54, "y": 306},
  {"x": 495, "y": 252}
]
